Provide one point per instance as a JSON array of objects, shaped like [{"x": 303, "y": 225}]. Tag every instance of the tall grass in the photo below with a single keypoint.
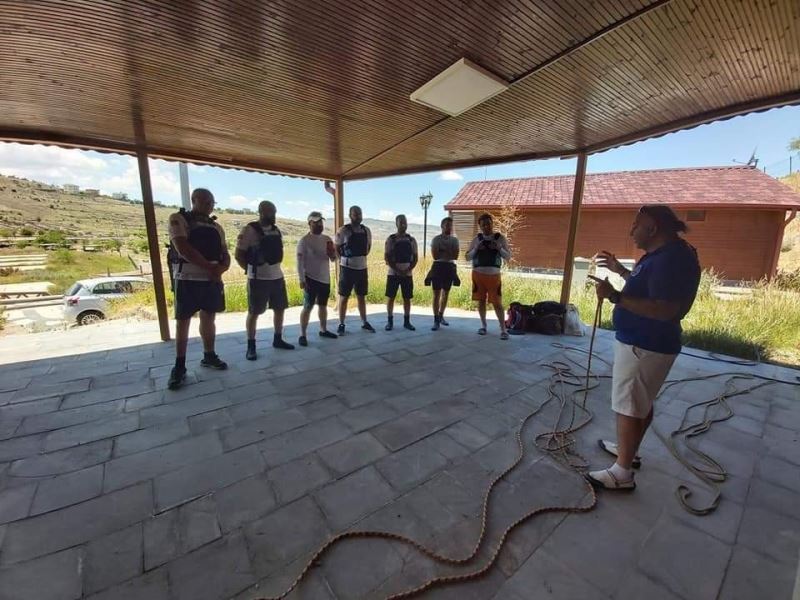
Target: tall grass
[
  {"x": 765, "y": 324},
  {"x": 65, "y": 267}
]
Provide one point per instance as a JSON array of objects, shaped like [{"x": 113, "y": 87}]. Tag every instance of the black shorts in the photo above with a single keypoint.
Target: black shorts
[
  {"x": 353, "y": 279},
  {"x": 316, "y": 292},
  {"x": 266, "y": 292},
  {"x": 404, "y": 282},
  {"x": 443, "y": 275},
  {"x": 191, "y": 296}
]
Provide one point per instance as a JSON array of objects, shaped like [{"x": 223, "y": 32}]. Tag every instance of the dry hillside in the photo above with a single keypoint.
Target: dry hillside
[
  {"x": 790, "y": 254},
  {"x": 40, "y": 207}
]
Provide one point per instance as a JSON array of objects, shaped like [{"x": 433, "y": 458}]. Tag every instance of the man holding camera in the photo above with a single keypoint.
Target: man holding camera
[{"x": 487, "y": 252}]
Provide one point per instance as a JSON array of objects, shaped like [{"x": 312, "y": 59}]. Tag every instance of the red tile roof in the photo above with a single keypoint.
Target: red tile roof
[{"x": 701, "y": 187}]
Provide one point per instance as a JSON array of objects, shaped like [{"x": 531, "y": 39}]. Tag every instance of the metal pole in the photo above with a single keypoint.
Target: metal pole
[
  {"x": 338, "y": 204},
  {"x": 425, "y": 234},
  {"x": 577, "y": 198},
  {"x": 183, "y": 169},
  {"x": 152, "y": 244}
]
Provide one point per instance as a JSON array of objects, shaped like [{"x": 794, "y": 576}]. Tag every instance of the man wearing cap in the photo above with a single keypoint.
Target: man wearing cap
[
  {"x": 353, "y": 243},
  {"x": 315, "y": 252},
  {"x": 199, "y": 258},
  {"x": 259, "y": 251}
]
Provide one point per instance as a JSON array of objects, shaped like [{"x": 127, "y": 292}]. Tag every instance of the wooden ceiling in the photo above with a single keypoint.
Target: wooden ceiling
[{"x": 321, "y": 89}]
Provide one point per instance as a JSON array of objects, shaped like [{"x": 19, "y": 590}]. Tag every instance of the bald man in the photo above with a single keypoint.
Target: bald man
[
  {"x": 259, "y": 251},
  {"x": 199, "y": 257}
]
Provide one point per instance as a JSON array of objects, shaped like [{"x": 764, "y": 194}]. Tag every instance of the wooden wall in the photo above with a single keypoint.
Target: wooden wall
[{"x": 739, "y": 243}]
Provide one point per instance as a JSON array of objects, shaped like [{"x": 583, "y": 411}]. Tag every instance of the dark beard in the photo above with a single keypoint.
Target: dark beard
[{"x": 270, "y": 221}]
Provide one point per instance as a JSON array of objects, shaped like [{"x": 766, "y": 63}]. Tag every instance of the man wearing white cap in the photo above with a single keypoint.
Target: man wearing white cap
[{"x": 315, "y": 252}]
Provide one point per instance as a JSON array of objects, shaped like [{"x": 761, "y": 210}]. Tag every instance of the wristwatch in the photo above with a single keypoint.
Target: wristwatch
[{"x": 615, "y": 297}]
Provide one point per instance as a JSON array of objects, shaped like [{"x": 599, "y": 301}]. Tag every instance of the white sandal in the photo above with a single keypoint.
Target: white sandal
[{"x": 605, "y": 479}]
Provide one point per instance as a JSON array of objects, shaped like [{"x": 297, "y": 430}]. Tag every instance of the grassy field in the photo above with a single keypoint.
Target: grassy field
[
  {"x": 65, "y": 267},
  {"x": 765, "y": 325}
]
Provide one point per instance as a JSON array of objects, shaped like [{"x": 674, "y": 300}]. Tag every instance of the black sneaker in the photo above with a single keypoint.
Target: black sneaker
[
  {"x": 435, "y": 325},
  {"x": 389, "y": 326},
  {"x": 328, "y": 334},
  {"x": 409, "y": 326},
  {"x": 281, "y": 344},
  {"x": 302, "y": 341},
  {"x": 213, "y": 361},
  {"x": 340, "y": 329},
  {"x": 367, "y": 327},
  {"x": 251, "y": 354},
  {"x": 176, "y": 378},
  {"x": 443, "y": 322}
]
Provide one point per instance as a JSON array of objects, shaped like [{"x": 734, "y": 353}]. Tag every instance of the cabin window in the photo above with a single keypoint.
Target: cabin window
[{"x": 696, "y": 215}]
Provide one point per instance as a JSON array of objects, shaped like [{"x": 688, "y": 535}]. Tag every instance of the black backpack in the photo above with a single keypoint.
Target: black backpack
[
  {"x": 486, "y": 257},
  {"x": 356, "y": 244},
  {"x": 203, "y": 237},
  {"x": 546, "y": 318},
  {"x": 402, "y": 249},
  {"x": 269, "y": 250}
]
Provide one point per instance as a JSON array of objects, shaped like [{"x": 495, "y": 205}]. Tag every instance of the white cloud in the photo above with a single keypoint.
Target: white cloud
[
  {"x": 298, "y": 203},
  {"x": 450, "y": 176},
  {"x": 49, "y": 163},
  {"x": 193, "y": 168},
  {"x": 109, "y": 174},
  {"x": 239, "y": 201},
  {"x": 386, "y": 215}
]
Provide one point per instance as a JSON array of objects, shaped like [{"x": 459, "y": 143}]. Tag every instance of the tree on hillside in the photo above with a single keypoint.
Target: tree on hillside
[{"x": 794, "y": 145}]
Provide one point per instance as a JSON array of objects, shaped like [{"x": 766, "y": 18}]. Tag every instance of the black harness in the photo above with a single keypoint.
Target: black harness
[{"x": 269, "y": 250}]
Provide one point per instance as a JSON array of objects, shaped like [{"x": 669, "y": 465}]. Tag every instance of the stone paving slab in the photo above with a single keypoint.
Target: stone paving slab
[{"x": 112, "y": 487}]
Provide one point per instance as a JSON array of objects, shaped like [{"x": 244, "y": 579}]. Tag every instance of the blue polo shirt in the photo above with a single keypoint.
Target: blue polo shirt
[{"x": 671, "y": 273}]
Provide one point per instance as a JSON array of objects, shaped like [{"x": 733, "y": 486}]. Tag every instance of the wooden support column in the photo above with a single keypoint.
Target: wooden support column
[
  {"x": 577, "y": 198},
  {"x": 338, "y": 204},
  {"x": 153, "y": 244}
]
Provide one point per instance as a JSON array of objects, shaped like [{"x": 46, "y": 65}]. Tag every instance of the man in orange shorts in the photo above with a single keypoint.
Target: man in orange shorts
[{"x": 487, "y": 252}]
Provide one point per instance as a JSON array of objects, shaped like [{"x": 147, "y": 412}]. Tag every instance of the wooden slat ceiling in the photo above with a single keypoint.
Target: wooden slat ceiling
[{"x": 321, "y": 88}]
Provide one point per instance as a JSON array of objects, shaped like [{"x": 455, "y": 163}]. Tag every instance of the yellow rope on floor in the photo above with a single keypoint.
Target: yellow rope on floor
[{"x": 560, "y": 443}]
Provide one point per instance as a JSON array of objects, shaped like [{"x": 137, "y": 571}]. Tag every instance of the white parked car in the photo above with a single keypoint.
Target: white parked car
[{"x": 87, "y": 300}]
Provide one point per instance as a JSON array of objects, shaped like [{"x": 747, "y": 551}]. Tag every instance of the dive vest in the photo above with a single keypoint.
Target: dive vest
[
  {"x": 269, "y": 250},
  {"x": 356, "y": 244},
  {"x": 203, "y": 237},
  {"x": 484, "y": 256},
  {"x": 402, "y": 249}
]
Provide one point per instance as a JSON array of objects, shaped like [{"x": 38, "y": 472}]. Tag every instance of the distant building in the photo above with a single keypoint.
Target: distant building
[
  {"x": 119, "y": 196},
  {"x": 92, "y": 192},
  {"x": 71, "y": 188},
  {"x": 736, "y": 215}
]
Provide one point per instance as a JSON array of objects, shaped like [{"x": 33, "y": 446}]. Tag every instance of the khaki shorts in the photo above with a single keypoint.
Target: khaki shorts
[{"x": 637, "y": 378}]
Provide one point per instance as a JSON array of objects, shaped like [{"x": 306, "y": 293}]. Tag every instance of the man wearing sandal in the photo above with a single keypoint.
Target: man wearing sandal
[
  {"x": 657, "y": 294},
  {"x": 487, "y": 252}
]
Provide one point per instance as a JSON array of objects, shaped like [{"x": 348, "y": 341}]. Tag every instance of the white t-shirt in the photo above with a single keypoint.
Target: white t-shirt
[
  {"x": 343, "y": 235},
  {"x": 312, "y": 258},
  {"x": 249, "y": 238},
  {"x": 446, "y": 247},
  {"x": 179, "y": 228}
]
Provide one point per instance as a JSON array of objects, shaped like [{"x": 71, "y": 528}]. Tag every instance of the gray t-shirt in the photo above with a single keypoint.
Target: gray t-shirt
[
  {"x": 446, "y": 247},
  {"x": 343, "y": 236}
]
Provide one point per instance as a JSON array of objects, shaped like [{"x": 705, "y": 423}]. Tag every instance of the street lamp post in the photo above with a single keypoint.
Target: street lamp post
[{"x": 425, "y": 202}]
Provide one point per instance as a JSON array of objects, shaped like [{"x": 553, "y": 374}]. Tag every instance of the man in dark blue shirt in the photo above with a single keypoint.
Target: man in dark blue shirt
[{"x": 657, "y": 294}]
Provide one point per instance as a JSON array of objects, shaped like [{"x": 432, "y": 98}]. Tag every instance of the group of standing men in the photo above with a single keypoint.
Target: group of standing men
[
  {"x": 657, "y": 294},
  {"x": 200, "y": 256}
]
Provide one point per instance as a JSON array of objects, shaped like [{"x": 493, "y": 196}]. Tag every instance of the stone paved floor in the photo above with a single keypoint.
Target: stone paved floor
[{"x": 113, "y": 488}]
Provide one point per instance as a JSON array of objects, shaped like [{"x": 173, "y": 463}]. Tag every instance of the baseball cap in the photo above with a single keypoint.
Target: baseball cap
[{"x": 315, "y": 216}]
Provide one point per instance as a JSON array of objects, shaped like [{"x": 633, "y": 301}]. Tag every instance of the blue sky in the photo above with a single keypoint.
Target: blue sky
[{"x": 715, "y": 144}]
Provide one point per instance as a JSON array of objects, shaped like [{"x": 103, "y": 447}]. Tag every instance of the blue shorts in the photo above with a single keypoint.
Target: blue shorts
[{"x": 316, "y": 292}]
